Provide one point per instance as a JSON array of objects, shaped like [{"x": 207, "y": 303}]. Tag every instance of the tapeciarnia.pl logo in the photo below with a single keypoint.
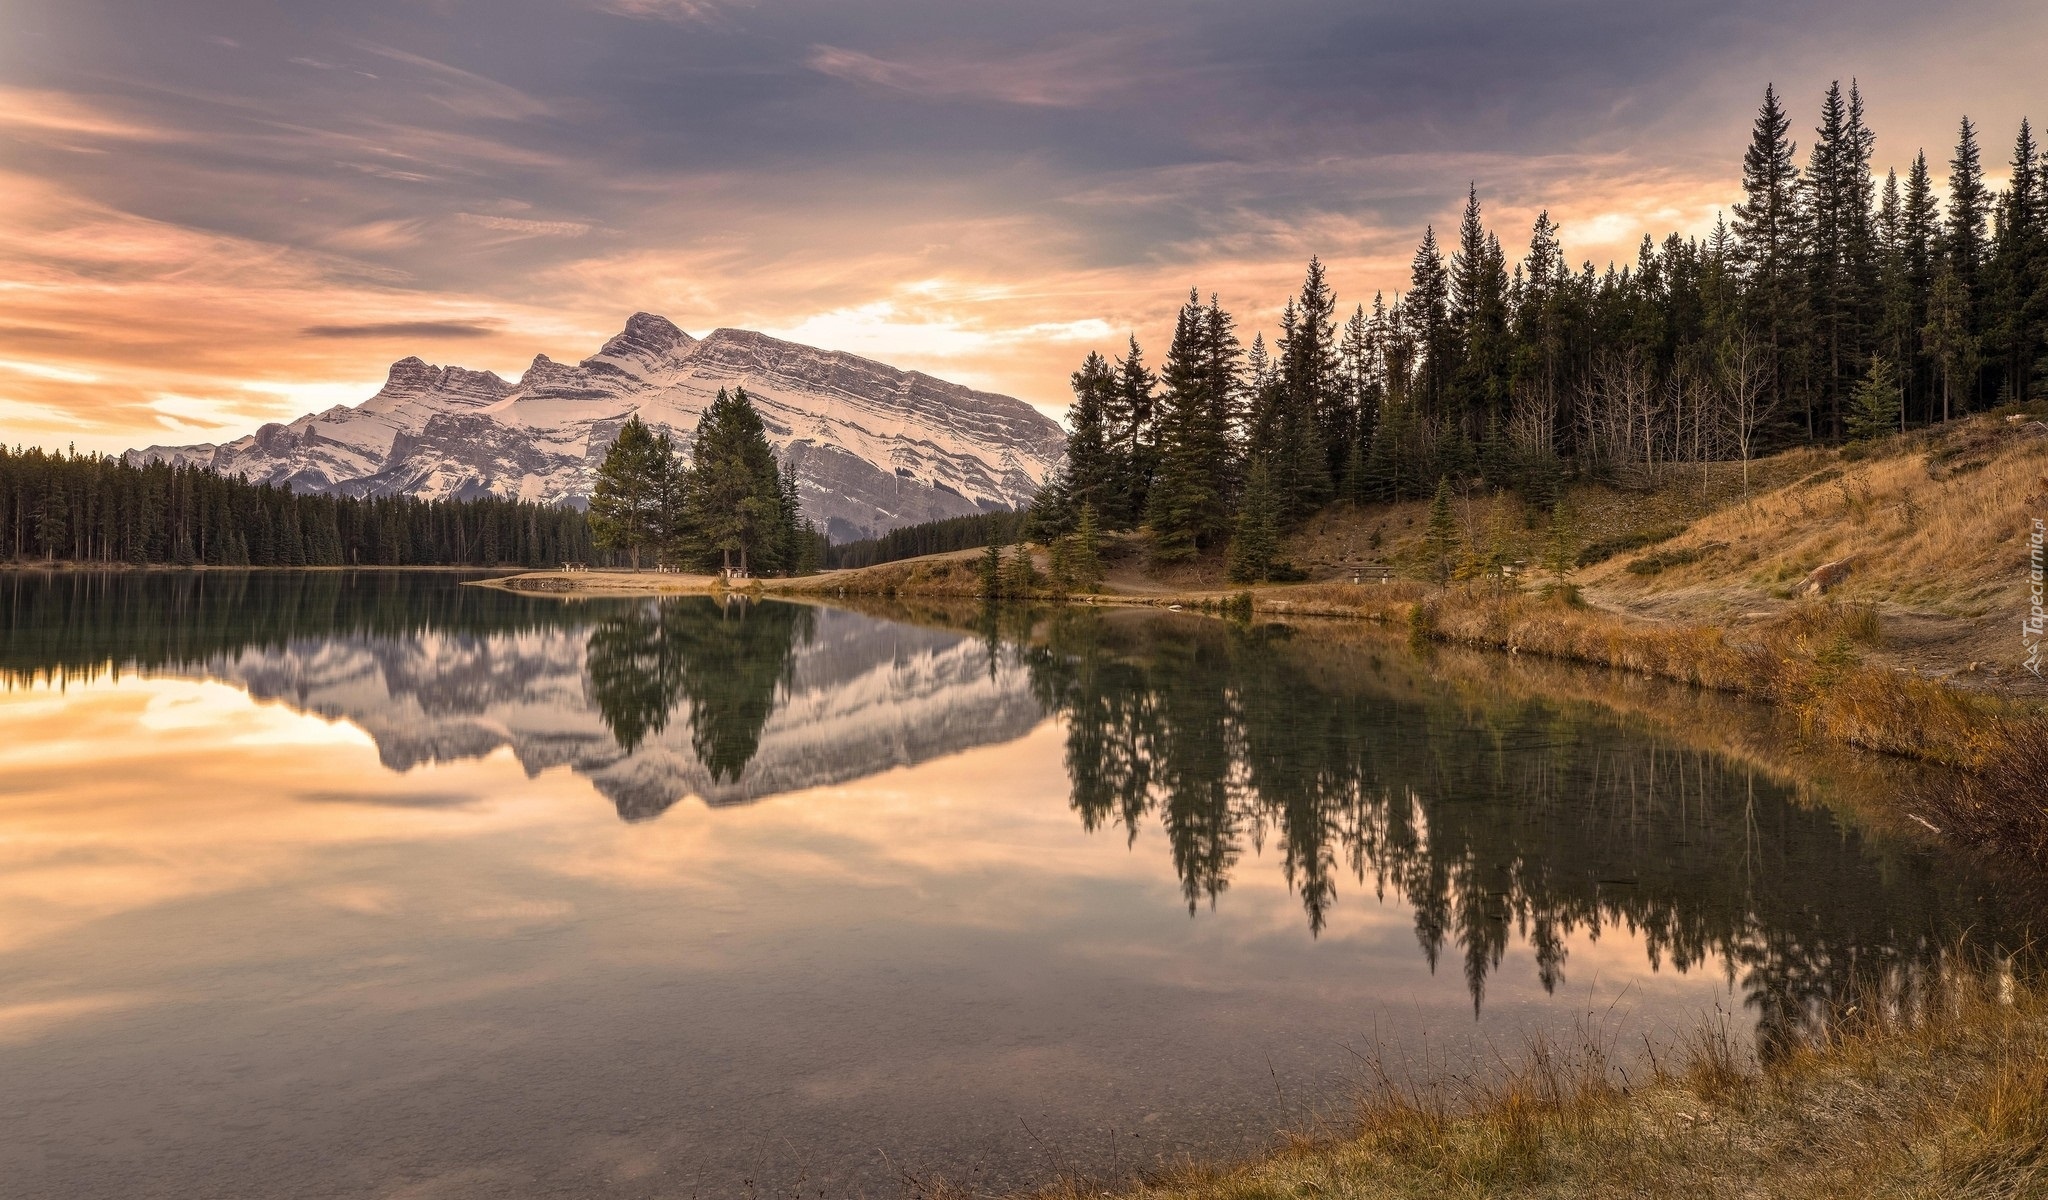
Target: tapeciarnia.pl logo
[{"x": 2035, "y": 626}]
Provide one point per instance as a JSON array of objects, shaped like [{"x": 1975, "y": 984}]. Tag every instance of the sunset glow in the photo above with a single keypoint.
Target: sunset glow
[{"x": 214, "y": 215}]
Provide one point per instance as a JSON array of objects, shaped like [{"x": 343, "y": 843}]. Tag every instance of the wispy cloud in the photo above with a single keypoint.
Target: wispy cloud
[
  {"x": 1066, "y": 76},
  {"x": 695, "y": 12},
  {"x": 40, "y": 112},
  {"x": 522, "y": 227},
  {"x": 464, "y": 93},
  {"x": 399, "y": 331}
]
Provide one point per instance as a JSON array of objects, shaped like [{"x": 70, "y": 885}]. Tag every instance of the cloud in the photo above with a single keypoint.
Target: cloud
[
  {"x": 406, "y": 329},
  {"x": 692, "y": 12},
  {"x": 37, "y": 112},
  {"x": 524, "y": 227},
  {"x": 984, "y": 192},
  {"x": 1063, "y": 77},
  {"x": 464, "y": 93}
]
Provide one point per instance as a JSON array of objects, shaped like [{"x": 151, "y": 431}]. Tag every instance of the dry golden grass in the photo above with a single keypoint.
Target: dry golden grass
[
  {"x": 1936, "y": 520},
  {"x": 1949, "y": 1100}
]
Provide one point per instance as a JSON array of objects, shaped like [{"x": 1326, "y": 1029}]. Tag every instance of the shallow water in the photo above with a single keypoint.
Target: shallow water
[{"x": 375, "y": 885}]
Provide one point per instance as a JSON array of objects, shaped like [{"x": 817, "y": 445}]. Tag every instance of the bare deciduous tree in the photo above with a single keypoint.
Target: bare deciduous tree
[{"x": 1749, "y": 397}]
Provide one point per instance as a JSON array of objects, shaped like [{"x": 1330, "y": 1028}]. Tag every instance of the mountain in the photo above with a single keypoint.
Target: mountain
[{"x": 875, "y": 447}]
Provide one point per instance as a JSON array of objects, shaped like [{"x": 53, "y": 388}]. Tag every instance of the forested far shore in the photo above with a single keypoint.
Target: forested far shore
[
  {"x": 943, "y": 536},
  {"x": 98, "y": 509},
  {"x": 1832, "y": 307}
]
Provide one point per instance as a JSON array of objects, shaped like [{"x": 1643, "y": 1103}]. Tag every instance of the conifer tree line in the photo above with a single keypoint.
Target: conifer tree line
[
  {"x": 941, "y": 536},
  {"x": 99, "y": 509},
  {"x": 1833, "y": 306},
  {"x": 732, "y": 508}
]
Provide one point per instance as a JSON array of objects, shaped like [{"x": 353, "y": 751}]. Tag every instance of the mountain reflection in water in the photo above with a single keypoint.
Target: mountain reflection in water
[{"x": 1497, "y": 821}]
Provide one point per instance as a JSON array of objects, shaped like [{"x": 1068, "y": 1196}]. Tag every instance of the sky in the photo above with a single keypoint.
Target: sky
[{"x": 217, "y": 213}]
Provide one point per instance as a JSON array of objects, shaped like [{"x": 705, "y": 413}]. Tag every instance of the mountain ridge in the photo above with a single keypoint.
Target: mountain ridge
[{"x": 875, "y": 446}]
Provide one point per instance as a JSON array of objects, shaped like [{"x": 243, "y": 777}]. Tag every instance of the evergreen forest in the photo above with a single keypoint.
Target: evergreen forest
[
  {"x": 1828, "y": 305},
  {"x": 100, "y": 510}
]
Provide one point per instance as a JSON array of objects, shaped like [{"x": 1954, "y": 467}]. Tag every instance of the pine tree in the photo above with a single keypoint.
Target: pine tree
[
  {"x": 1429, "y": 324},
  {"x": 992, "y": 561},
  {"x": 1358, "y": 357},
  {"x": 733, "y": 489},
  {"x": 1091, "y": 460},
  {"x": 1479, "y": 319},
  {"x": 1311, "y": 367},
  {"x": 2016, "y": 295},
  {"x": 1969, "y": 204},
  {"x": 1134, "y": 432},
  {"x": 1561, "y": 546},
  {"x": 630, "y": 504},
  {"x": 1442, "y": 539},
  {"x": 1393, "y": 468},
  {"x": 1768, "y": 235},
  {"x": 1919, "y": 230},
  {"x": 1840, "y": 269},
  {"x": 1084, "y": 552},
  {"x": 1874, "y": 408},
  {"x": 1019, "y": 577},
  {"x": 1258, "y": 364},
  {"x": 1255, "y": 542},
  {"x": 1187, "y": 506}
]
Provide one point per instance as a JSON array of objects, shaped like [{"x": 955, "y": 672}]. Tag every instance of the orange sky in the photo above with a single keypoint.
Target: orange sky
[{"x": 216, "y": 217}]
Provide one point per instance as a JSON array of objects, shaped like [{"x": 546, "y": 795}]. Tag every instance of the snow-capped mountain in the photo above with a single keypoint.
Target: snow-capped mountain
[{"x": 874, "y": 447}]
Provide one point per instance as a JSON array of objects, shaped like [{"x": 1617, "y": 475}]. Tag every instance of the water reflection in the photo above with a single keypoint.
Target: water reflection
[
  {"x": 1502, "y": 821},
  {"x": 653, "y": 701},
  {"x": 729, "y": 660},
  {"x": 1034, "y": 876},
  {"x": 1498, "y": 822}
]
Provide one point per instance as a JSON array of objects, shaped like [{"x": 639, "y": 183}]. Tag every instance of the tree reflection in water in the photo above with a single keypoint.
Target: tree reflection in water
[
  {"x": 727, "y": 658},
  {"x": 1497, "y": 821}
]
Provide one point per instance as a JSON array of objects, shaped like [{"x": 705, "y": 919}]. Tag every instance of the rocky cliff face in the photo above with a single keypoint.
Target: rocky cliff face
[{"x": 874, "y": 447}]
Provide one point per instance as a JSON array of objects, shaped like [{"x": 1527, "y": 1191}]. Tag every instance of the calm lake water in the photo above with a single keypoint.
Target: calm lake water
[{"x": 377, "y": 885}]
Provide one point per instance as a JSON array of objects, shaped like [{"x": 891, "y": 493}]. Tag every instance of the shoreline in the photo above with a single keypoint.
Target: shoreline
[{"x": 1820, "y": 662}]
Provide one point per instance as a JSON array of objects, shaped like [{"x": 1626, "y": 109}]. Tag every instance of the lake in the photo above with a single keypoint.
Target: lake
[{"x": 374, "y": 884}]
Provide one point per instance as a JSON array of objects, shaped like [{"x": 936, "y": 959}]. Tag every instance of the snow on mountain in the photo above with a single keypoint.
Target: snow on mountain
[
  {"x": 874, "y": 447},
  {"x": 863, "y": 696}
]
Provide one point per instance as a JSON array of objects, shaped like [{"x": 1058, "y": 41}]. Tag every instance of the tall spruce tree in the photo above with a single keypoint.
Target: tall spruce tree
[
  {"x": 632, "y": 502},
  {"x": 733, "y": 489},
  {"x": 2015, "y": 295},
  {"x": 1134, "y": 430},
  {"x": 1768, "y": 238},
  {"x": 1920, "y": 236},
  {"x": 1090, "y": 474},
  {"x": 1840, "y": 267},
  {"x": 1479, "y": 319},
  {"x": 1187, "y": 506},
  {"x": 1427, "y": 306},
  {"x": 1303, "y": 407},
  {"x": 1963, "y": 250}
]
